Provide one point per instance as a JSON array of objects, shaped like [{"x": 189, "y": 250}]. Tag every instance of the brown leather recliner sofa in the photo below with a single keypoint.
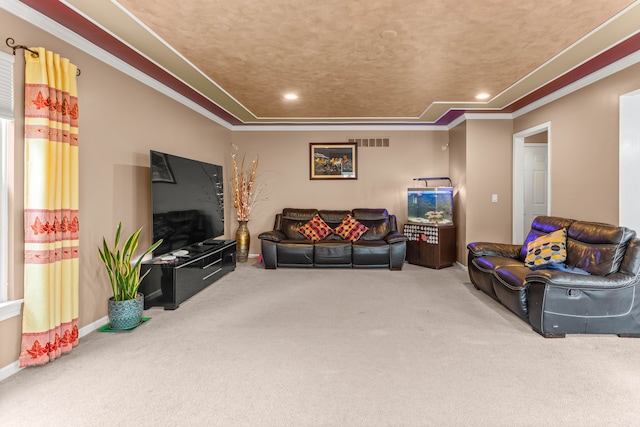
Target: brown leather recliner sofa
[
  {"x": 381, "y": 246},
  {"x": 595, "y": 291}
]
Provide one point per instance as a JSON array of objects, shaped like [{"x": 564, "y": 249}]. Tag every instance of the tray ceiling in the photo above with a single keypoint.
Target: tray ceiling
[{"x": 374, "y": 61}]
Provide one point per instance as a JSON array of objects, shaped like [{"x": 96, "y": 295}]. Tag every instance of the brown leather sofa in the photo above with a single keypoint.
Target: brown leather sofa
[
  {"x": 381, "y": 246},
  {"x": 595, "y": 291}
]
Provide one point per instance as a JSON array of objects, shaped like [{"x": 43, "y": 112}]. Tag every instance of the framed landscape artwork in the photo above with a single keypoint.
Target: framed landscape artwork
[{"x": 333, "y": 160}]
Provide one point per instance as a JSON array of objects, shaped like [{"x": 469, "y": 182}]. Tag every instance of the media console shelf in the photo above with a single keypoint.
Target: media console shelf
[{"x": 171, "y": 282}]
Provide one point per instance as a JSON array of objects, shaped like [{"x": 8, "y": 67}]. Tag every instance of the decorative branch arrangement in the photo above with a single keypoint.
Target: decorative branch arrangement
[{"x": 242, "y": 185}]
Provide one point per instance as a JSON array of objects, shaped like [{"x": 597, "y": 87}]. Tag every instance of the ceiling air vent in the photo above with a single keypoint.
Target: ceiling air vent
[{"x": 370, "y": 142}]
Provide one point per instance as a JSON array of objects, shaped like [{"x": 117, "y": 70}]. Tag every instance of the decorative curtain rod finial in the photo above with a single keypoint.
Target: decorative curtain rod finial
[{"x": 11, "y": 43}]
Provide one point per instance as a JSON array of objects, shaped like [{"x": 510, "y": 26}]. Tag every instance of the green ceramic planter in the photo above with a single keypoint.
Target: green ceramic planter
[{"x": 127, "y": 314}]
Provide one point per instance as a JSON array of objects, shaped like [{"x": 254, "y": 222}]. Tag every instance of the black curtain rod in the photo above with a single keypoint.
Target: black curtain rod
[{"x": 11, "y": 43}]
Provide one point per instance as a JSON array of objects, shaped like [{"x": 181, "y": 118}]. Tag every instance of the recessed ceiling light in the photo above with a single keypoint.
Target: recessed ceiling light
[
  {"x": 389, "y": 34},
  {"x": 482, "y": 96},
  {"x": 290, "y": 96}
]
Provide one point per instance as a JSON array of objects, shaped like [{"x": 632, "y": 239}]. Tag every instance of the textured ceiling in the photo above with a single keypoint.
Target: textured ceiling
[{"x": 373, "y": 61}]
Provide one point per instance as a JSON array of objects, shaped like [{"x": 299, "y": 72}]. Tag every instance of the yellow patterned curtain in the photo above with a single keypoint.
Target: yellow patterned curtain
[{"x": 50, "y": 315}]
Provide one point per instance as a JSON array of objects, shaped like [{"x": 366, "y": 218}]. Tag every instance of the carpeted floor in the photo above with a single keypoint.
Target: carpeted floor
[{"x": 333, "y": 347}]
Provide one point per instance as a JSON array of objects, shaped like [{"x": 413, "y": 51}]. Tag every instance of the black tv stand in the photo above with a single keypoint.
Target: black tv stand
[
  {"x": 213, "y": 242},
  {"x": 170, "y": 282}
]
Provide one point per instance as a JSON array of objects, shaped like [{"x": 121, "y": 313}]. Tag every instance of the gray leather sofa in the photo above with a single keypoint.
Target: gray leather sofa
[
  {"x": 595, "y": 291},
  {"x": 381, "y": 246}
]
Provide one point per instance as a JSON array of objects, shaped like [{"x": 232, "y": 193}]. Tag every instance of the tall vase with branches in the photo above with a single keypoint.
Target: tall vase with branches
[{"x": 244, "y": 196}]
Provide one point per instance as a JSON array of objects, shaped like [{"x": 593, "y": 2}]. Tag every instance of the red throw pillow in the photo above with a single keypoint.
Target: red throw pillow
[
  {"x": 315, "y": 229},
  {"x": 350, "y": 229}
]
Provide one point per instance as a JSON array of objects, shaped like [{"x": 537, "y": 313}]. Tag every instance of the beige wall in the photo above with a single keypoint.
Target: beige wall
[
  {"x": 538, "y": 138},
  {"x": 489, "y": 158},
  {"x": 120, "y": 120},
  {"x": 384, "y": 173},
  {"x": 583, "y": 144}
]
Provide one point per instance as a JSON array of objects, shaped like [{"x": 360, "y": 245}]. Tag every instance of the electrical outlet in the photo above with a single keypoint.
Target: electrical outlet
[{"x": 494, "y": 198}]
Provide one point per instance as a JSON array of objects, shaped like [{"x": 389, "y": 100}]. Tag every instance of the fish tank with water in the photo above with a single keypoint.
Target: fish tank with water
[{"x": 430, "y": 205}]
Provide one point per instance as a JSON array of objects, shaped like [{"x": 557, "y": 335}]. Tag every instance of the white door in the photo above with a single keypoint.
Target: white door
[{"x": 535, "y": 183}]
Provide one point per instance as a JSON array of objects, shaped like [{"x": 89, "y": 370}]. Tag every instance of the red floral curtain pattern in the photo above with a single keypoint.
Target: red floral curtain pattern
[{"x": 50, "y": 315}]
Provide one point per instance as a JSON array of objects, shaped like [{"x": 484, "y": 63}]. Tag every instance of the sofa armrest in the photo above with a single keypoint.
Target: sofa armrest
[
  {"x": 494, "y": 249},
  {"x": 272, "y": 236},
  {"x": 395, "y": 237},
  {"x": 568, "y": 280}
]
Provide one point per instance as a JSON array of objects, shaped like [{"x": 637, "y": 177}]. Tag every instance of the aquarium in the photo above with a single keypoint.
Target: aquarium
[{"x": 430, "y": 205}]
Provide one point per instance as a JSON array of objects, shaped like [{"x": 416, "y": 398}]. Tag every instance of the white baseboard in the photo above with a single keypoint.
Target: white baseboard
[
  {"x": 9, "y": 370},
  {"x": 9, "y": 309},
  {"x": 13, "y": 368},
  {"x": 93, "y": 326}
]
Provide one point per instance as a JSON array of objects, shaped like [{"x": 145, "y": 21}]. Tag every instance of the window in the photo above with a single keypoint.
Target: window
[
  {"x": 7, "y": 308},
  {"x": 4, "y": 211}
]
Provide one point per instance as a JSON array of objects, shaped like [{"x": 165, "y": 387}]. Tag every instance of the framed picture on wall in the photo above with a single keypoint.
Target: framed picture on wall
[{"x": 333, "y": 160}]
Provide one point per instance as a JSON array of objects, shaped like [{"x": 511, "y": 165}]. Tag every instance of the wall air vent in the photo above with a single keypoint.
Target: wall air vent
[{"x": 370, "y": 142}]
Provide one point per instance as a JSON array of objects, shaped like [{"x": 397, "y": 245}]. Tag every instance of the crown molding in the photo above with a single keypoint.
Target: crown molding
[
  {"x": 33, "y": 17},
  {"x": 479, "y": 116},
  {"x": 588, "y": 80},
  {"x": 338, "y": 127}
]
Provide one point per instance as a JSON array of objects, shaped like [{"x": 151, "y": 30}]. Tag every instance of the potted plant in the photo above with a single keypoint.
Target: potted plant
[{"x": 126, "y": 305}]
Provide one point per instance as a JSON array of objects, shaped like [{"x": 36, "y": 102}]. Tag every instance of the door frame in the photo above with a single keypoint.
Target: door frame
[
  {"x": 517, "y": 234},
  {"x": 629, "y": 157}
]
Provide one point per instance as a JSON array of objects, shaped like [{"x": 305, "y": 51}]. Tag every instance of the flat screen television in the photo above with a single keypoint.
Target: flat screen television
[{"x": 187, "y": 202}]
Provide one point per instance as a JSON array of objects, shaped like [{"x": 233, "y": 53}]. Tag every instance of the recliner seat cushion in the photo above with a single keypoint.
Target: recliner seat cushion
[
  {"x": 490, "y": 263},
  {"x": 295, "y": 252},
  {"x": 481, "y": 270},
  {"x": 509, "y": 284},
  {"x": 370, "y": 252},
  {"x": 332, "y": 252}
]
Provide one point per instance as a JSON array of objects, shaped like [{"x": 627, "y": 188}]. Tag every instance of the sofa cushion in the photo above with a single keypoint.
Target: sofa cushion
[
  {"x": 293, "y": 219},
  {"x": 597, "y": 248},
  {"x": 509, "y": 285},
  {"x": 489, "y": 263},
  {"x": 315, "y": 229},
  {"x": 295, "y": 252},
  {"x": 370, "y": 253},
  {"x": 550, "y": 248},
  {"x": 332, "y": 253},
  {"x": 333, "y": 218},
  {"x": 376, "y": 220},
  {"x": 350, "y": 229}
]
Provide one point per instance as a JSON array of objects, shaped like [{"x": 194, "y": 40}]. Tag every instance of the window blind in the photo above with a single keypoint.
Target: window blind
[{"x": 6, "y": 86}]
